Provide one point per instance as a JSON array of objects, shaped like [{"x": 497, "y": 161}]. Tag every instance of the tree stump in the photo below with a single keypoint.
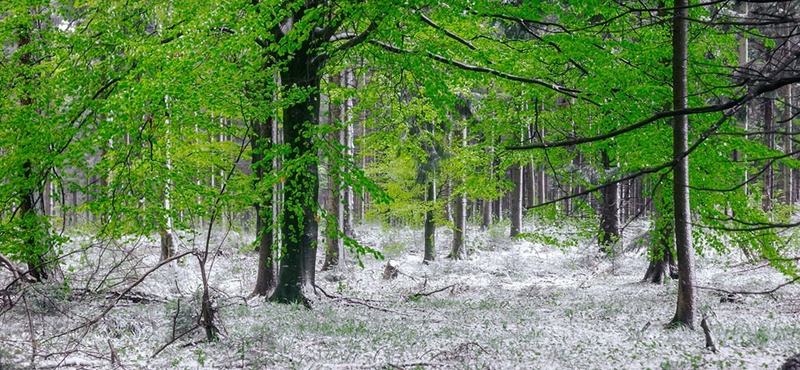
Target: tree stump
[
  {"x": 391, "y": 271},
  {"x": 792, "y": 363}
]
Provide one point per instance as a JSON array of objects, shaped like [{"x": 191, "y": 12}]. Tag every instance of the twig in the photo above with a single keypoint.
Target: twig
[{"x": 773, "y": 290}]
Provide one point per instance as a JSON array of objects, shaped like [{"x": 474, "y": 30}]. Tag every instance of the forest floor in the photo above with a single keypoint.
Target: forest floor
[{"x": 546, "y": 302}]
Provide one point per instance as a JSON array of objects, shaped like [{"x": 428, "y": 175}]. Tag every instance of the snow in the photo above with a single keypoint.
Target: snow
[{"x": 542, "y": 303}]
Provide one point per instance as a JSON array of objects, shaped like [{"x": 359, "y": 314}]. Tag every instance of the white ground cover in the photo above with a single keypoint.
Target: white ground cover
[{"x": 522, "y": 304}]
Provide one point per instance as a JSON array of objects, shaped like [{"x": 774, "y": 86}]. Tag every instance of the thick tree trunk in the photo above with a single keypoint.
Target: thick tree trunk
[
  {"x": 516, "y": 200},
  {"x": 299, "y": 226},
  {"x": 27, "y": 213},
  {"x": 684, "y": 313},
  {"x": 609, "y": 210},
  {"x": 430, "y": 225}
]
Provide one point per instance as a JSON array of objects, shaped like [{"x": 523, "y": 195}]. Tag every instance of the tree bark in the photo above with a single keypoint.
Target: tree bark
[{"x": 684, "y": 313}]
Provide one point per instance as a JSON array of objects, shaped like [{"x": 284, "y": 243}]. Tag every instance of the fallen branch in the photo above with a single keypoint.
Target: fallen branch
[
  {"x": 175, "y": 339},
  {"x": 411, "y": 365},
  {"x": 710, "y": 342},
  {"x": 744, "y": 292},
  {"x": 355, "y": 301},
  {"x": 460, "y": 352},
  {"x": 419, "y": 295},
  {"x": 14, "y": 270},
  {"x": 122, "y": 294}
]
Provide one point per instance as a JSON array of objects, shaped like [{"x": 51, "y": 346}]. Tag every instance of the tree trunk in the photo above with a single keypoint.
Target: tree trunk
[
  {"x": 486, "y": 210},
  {"x": 530, "y": 173},
  {"x": 460, "y": 214},
  {"x": 460, "y": 222},
  {"x": 299, "y": 223},
  {"x": 662, "y": 259},
  {"x": 787, "y": 145},
  {"x": 684, "y": 313},
  {"x": 349, "y": 198},
  {"x": 769, "y": 141},
  {"x": 167, "y": 238},
  {"x": 265, "y": 279},
  {"x": 609, "y": 209},
  {"x": 516, "y": 200},
  {"x": 333, "y": 203},
  {"x": 430, "y": 225},
  {"x": 27, "y": 212}
]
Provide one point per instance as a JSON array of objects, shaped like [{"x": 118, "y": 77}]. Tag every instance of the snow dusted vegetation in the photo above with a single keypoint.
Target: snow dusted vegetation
[{"x": 546, "y": 302}]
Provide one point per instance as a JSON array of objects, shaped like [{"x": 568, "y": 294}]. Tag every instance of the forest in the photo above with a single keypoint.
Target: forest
[{"x": 336, "y": 184}]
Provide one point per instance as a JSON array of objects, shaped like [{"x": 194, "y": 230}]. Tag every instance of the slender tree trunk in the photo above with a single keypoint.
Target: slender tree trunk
[
  {"x": 744, "y": 59},
  {"x": 487, "y": 203},
  {"x": 516, "y": 200},
  {"x": 460, "y": 216},
  {"x": 167, "y": 238},
  {"x": 769, "y": 141},
  {"x": 530, "y": 173},
  {"x": 662, "y": 259},
  {"x": 684, "y": 314},
  {"x": 609, "y": 209},
  {"x": 349, "y": 197},
  {"x": 486, "y": 210},
  {"x": 333, "y": 244},
  {"x": 787, "y": 145},
  {"x": 430, "y": 225},
  {"x": 299, "y": 226},
  {"x": 265, "y": 278}
]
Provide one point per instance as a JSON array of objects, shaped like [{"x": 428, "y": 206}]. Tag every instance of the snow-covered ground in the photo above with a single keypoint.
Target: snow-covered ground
[{"x": 541, "y": 303}]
